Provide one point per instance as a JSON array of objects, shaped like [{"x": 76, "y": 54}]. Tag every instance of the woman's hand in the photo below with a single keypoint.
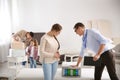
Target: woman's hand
[{"x": 57, "y": 55}]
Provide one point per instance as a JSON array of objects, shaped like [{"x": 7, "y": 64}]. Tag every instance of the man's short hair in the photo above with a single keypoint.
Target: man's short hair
[
  {"x": 77, "y": 25},
  {"x": 31, "y": 34}
]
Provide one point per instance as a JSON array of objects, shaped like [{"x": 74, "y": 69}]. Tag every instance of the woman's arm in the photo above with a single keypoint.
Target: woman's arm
[{"x": 43, "y": 53}]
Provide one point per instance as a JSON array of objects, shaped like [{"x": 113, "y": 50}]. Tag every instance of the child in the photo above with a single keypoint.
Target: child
[{"x": 32, "y": 52}]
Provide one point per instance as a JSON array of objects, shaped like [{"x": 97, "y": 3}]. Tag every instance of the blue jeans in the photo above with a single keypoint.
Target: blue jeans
[
  {"x": 32, "y": 62},
  {"x": 49, "y": 70}
]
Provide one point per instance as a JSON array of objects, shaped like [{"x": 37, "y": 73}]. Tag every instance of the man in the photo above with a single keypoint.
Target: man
[
  {"x": 23, "y": 36},
  {"x": 101, "y": 46}
]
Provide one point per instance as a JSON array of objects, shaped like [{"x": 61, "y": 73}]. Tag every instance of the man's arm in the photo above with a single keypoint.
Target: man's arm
[
  {"x": 79, "y": 60},
  {"x": 97, "y": 56},
  {"x": 19, "y": 35}
]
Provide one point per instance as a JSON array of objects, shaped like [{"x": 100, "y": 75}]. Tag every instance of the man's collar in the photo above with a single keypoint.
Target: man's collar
[{"x": 84, "y": 33}]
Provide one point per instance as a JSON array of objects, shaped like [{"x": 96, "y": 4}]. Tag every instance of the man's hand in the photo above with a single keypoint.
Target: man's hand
[
  {"x": 78, "y": 62},
  {"x": 96, "y": 57},
  {"x": 74, "y": 66}
]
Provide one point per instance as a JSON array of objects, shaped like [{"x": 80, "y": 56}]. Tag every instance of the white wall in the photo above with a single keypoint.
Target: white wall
[{"x": 40, "y": 15}]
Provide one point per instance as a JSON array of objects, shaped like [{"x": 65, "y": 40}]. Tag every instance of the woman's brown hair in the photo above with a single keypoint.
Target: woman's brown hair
[{"x": 57, "y": 27}]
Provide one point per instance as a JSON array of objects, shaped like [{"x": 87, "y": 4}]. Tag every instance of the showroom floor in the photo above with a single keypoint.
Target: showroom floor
[{"x": 86, "y": 73}]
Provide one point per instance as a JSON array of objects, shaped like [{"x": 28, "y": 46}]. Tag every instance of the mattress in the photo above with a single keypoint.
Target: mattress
[
  {"x": 17, "y": 45},
  {"x": 16, "y": 52}
]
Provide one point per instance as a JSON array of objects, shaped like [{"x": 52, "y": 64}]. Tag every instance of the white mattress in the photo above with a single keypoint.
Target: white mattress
[
  {"x": 17, "y": 45},
  {"x": 37, "y": 74},
  {"x": 16, "y": 52}
]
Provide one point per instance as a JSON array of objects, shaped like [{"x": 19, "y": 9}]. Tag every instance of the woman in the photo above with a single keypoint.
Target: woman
[{"x": 49, "y": 54}]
